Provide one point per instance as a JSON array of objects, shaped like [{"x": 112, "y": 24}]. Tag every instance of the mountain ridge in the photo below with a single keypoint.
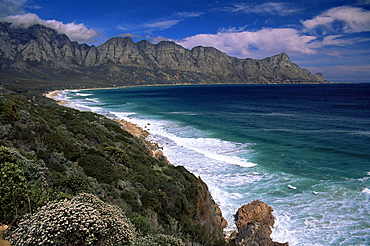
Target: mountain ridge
[{"x": 39, "y": 51}]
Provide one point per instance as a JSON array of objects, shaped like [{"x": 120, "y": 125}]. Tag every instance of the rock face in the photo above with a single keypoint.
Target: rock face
[
  {"x": 254, "y": 222},
  {"x": 256, "y": 211},
  {"x": 208, "y": 214},
  {"x": 40, "y": 51}
]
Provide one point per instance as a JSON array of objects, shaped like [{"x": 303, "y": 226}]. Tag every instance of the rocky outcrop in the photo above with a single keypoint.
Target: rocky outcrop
[
  {"x": 256, "y": 211},
  {"x": 40, "y": 51},
  {"x": 254, "y": 223}
]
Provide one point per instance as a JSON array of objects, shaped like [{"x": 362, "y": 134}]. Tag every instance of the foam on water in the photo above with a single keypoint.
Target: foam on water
[
  {"x": 204, "y": 156},
  {"x": 307, "y": 211},
  {"x": 81, "y": 101},
  {"x": 83, "y": 94},
  {"x": 184, "y": 113},
  {"x": 366, "y": 191},
  {"x": 303, "y": 214},
  {"x": 169, "y": 136},
  {"x": 95, "y": 100}
]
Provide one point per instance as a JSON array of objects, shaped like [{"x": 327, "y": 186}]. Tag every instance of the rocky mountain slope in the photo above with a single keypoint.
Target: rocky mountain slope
[{"x": 41, "y": 52}]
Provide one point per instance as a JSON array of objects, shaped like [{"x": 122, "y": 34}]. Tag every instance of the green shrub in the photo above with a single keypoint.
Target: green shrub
[
  {"x": 119, "y": 155},
  {"x": 9, "y": 110},
  {"x": 23, "y": 185},
  {"x": 131, "y": 198},
  {"x": 99, "y": 168},
  {"x": 76, "y": 184},
  {"x": 83, "y": 220},
  {"x": 159, "y": 240},
  {"x": 154, "y": 200},
  {"x": 14, "y": 189},
  {"x": 142, "y": 224}
]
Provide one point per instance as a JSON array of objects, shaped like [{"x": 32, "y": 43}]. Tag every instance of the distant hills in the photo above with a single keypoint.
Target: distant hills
[{"x": 41, "y": 53}]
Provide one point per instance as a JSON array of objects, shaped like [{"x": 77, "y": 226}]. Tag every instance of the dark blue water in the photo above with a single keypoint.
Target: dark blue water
[{"x": 303, "y": 149}]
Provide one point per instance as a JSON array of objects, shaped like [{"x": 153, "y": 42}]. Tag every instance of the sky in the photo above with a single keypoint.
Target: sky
[{"x": 327, "y": 36}]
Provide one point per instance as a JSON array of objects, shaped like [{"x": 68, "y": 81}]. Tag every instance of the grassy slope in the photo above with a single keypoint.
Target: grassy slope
[{"x": 59, "y": 152}]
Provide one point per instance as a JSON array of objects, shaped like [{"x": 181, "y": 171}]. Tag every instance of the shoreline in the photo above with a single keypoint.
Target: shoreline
[
  {"x": 263, "y": 199},
  {"x": 54, "y": 94},
  {"x": 133, "y": 129},
  {"x": 152, "y": 147},
  {"x": 138, "y": 132}
]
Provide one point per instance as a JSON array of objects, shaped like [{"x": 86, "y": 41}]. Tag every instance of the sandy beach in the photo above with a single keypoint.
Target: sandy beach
[{"x": 54, "y": 95}]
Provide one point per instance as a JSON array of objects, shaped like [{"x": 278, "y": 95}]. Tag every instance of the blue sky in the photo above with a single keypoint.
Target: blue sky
[{"x": 328, "y": 36}]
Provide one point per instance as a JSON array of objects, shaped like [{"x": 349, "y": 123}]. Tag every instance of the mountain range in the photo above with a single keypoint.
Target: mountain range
[{"x": 43, "y": 53}]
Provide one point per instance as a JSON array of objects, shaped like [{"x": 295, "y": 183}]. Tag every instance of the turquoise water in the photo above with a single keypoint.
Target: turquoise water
[{"x": 302, "y": 149}]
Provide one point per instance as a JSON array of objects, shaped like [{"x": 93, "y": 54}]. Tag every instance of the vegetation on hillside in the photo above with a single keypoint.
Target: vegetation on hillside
[{"x": 52, "y": 157}]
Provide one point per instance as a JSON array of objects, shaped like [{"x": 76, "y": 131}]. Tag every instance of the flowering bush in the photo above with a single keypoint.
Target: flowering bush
[
  {"x": 83, "y": 220},
  {"x": 62, "y": 223},
  {"x": 119, "y": 229}
]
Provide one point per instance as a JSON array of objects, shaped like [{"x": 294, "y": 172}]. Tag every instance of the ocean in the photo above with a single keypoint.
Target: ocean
[{"x": 302, "y": 149}]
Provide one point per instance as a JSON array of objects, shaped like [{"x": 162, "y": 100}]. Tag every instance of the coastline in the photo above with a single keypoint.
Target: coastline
[
  {"x": 54, "y": 94},
  {"x": 133, "y": 129},
  {"x": 213, "y": 217},
  {"x": 230, "y": 234}
]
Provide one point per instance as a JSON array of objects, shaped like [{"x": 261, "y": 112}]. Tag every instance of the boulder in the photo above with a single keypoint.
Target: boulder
[
  {"x": 256, "y": 211},
  {"x": 254, "y": 222}
]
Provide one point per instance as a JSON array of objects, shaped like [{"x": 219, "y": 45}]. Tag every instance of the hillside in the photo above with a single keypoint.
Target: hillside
[
  {"x": 50, "y": 153},
  {"x": 39, "y": 54}
]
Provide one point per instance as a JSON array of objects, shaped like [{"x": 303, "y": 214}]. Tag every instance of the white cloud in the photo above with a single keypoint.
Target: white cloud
[
  {"x": 33, "y": 7},
  {"x": 355, "y": 69},
  {"x": 188, "y": 14},
  {"x": 335, "y": 54},
  {"x": 163, "y": 24},
  {"x": 319, "y": 20},
  {"x": 11, "y": 7},
  {"x": 352, "y": 20},
  {"x": 337, "y": 26},
  {"x": 18, "y": 3},
  {"x": 156, "y": 39},
  {"x": 333, "y": 40},
  {"x": 234, "y": 29},
  {"x": 130, "y": 35},
  {"x": 172, "y": 20},
  {"x": 76, "y": 32},
  {"x": 257, "y": 44},
  {"x": 363, "y": 2},
  {"x": 269, "y": 8}
]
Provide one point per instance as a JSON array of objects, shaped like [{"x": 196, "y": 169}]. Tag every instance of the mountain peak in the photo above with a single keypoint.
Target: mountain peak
[
  {"x": 40, "y": 51},
  {"x": 282, "y": 57},
  {"x": 122, "y": 40}
]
